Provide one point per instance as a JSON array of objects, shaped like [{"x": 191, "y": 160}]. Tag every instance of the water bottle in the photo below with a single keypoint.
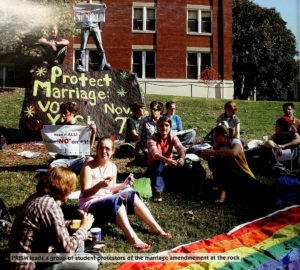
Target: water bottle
[{"x": 128, "y": 179}]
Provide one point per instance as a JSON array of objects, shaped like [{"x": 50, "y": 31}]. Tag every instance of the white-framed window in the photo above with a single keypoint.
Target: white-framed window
[
  {"x": 91, "y": 59},
  {"x": 199, "y": 21},
  {"x": 143, "y": 63},
  {"x": 196, "y": 62},
  {"x": 144, "y": 19}
]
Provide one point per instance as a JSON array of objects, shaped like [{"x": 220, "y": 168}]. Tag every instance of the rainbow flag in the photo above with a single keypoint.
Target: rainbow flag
[{"x": 271, "y": 242}]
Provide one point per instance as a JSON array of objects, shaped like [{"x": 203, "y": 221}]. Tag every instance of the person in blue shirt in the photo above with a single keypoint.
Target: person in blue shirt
[{"x": 186, "y": 137}]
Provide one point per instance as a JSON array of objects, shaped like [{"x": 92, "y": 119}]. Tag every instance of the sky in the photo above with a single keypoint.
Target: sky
[{"x": 289, "y": 11}]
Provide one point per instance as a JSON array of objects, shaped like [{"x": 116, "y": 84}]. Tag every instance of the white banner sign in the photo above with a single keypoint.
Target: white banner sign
[
  {"x": 68, "y": 140},
  {"x": 85, "y": 12}
]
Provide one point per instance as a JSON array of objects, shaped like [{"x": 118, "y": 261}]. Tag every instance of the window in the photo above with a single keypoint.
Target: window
[
  {"x": 199, "y": 21},
  {"x": 196, "y": 63},
  {"x": 91, "y": 59},
  {"x": 143, "y": 64},
  {"x": 7, "y": 75},
  {"x": 143, "y": 19}
]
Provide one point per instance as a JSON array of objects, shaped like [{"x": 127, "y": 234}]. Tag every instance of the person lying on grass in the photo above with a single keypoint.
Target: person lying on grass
[
  {"x": 40, "y": 227},
  {"x": 160, "y": 161},
  {"x": 227, "y": 161},
  {"x": 109, "y": 202}
]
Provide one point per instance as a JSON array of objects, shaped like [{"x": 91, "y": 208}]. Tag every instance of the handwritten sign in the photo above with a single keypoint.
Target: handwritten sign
[
  {"x": 101, "y": 96},
  {"x": 68, "y": 140}
]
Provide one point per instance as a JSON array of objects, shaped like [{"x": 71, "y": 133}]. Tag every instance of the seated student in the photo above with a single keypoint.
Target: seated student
[
  {"x": 284, "y": 139},
  {"x": 54, "y": 47},
  {"x": 288, "y": 110},
  {"x": 133, "y": 122},
  {"x": 40, "y": 227},
  {"x": 68, "y": 112},
  {"x": 227, "y": 161},
  {"x": 160, "y": 147},
  {"x": 148, "y": 125},
  {"x": 185, "y": 138},
  {"x": 229, "y": 118},
  {"x": 111, "y": 202}
]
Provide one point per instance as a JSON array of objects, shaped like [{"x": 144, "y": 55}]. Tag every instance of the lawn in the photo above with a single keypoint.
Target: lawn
[{"x": 18, "y": 177}]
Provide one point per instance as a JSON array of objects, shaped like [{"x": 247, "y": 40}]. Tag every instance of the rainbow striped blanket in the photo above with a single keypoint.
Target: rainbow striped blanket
[{"x": 271, "y": 242}]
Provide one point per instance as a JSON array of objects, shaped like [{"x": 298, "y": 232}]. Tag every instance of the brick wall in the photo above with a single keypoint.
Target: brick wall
[{"x": 170, "y": 39}]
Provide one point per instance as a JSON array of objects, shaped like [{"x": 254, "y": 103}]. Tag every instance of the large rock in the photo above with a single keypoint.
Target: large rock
[{"x": 101, "y": 96}]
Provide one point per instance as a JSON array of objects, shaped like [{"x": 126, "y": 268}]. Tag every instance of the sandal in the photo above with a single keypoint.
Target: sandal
[
  {"x": 163, "y": 234},
  {"x": 141, "y": 247}
]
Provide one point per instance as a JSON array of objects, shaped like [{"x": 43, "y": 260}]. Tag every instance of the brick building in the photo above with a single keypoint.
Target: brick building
[{"x": 167, "y": 43}]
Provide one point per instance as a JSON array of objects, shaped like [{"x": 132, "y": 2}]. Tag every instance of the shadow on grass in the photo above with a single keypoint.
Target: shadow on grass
[
  {"x": 13, "y": 135},
  {"x": 19, "y": 168},
  {"x": 4, "y": 258}
]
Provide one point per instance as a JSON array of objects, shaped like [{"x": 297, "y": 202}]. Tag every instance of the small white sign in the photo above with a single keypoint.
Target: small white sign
[
  {"x": 68, "y": 140},
  {"x": 85, "y": 12}
]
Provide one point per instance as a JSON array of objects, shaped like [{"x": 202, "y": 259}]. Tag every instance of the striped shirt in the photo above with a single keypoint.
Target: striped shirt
[
  {"x": 163, "y": 148},
  {"x": 40, "y": 227}
]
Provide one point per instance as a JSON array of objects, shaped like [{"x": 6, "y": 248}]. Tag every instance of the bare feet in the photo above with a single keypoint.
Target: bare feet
[
  {"x": 139, "y": 244},
  {"x": 222, "y": 197},
  {"x": 162, "y": 234}
]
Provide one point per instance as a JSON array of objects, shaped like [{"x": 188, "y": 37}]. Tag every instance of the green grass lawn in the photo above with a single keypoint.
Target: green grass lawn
[{"x": 18, "y": 177}]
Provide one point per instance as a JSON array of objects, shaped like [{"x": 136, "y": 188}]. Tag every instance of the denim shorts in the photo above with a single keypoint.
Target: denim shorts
[{"x": 105, "y": 210}]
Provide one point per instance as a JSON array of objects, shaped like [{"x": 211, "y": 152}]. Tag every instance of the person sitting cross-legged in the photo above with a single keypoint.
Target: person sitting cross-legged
[
  {"x": 68, "y": 112},
  {"x": 185, "y": 138},
  {"x": 39, "y": 226}
]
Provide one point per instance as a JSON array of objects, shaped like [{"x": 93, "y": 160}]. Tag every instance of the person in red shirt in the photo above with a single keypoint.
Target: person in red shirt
[{"x": 160, "y": 147}]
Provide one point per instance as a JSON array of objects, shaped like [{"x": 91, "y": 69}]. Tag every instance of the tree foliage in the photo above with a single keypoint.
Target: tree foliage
[
  {"x": 23, "y": 22},
  {"x": 263, "y": 52}
]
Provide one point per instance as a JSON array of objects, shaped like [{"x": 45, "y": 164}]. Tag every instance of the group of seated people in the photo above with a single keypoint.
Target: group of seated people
[
  {"x": 280, "y": 153},
  {"x": 103, "y": 200}
]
